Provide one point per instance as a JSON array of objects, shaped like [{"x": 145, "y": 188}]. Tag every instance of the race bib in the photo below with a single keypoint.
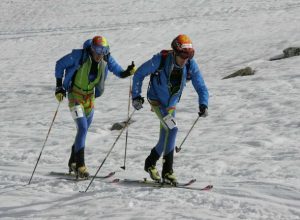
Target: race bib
[
  {"x": 77, "y": 112},
  {"x": 170, "y": 121}
]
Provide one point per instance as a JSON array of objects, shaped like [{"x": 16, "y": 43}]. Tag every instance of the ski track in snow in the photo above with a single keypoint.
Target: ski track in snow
[{"x": 248, "y": 147}]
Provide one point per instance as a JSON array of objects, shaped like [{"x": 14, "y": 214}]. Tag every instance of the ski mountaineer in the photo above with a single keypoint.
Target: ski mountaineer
[
  {"x": 82, "y": 74},
  {"x": 170, "y": 70}
]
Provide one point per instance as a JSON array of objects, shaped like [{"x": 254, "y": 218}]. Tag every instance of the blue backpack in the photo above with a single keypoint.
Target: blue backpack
[{"x": 164, "y": 55}]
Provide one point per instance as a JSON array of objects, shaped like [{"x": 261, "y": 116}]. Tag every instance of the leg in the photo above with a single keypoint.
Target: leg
[
  {"x": 72, "y": 159},
  {"x": 82, "y": 124},
  {"x": 166, "y": 145},
  {"x": 82, "y": 128},
  {"x": 90, "y": 117},
  {"x": 72, "y": 156},
  {"x": 162, "y": 144},
  {"x": 82, "y": 109}
]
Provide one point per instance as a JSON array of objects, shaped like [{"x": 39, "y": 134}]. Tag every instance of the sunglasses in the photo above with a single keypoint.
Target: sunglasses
[
  {"x": 185, "y": 54},
  {"x": 100, "y": 50}
]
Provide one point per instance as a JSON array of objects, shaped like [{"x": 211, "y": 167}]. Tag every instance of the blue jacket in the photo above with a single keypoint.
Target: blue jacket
[
  {"x": 158, "y": 90},
  {"x": 67, "y": 66}
]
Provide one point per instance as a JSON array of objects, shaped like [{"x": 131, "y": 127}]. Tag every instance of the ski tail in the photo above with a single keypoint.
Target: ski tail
[{"x": 72, "y": 175}]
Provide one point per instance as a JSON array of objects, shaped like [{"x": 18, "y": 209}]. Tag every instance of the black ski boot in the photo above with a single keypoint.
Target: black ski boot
[
  {"x": 150, "y": 165},
  {"x": 81, "y": 170},
  {"x": 71, "y": 163},
  {"x": 167, "y": 171}
]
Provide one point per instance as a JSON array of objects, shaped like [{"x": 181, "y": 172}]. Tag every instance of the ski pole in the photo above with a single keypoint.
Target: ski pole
[
  {"x": 113, "y": 145},
  {"x": 44, "y": 143},
  {"x": 177, "y": 149},
  {"x": 126, "y": 139}
]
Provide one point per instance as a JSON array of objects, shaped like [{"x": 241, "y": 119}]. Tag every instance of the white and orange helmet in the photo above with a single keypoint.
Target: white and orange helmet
[{"x": 183, "y": 47}]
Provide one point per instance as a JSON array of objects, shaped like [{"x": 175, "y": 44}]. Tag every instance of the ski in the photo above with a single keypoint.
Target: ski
[
  {"x": 72, "y": 176},
  {"x": 150, "y": 183}
]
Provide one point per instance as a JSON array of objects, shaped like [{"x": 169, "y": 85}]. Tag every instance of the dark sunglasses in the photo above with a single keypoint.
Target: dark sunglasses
[
  {"x": 185, "y": 54},
  {"x": 100, "y": 50}
]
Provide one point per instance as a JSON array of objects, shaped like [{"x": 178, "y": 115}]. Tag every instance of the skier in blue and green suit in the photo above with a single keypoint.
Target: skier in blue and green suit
[
  {"x": 82, "y": 74},
  {"x": 165, "y": 88}
]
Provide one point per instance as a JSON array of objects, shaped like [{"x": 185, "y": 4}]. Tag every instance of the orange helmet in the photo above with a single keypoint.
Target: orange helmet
[
  {"x": 183, "y": 47},
  {"x": 100, "y": 45}
]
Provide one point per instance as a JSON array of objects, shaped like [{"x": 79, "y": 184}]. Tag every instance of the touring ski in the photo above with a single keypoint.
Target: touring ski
[
  {"x": 72, "y": 176},
  {"x": 151, "y": 183}
]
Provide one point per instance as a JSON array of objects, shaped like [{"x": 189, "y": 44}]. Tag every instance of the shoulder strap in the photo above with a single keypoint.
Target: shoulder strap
[
  {"x": 156, "y": 73},
  {"x": 81, "y": 61},
  {"x": 188, "y": 73},
  {"x": 83, "y": 55},
  {"x": 164, "y": 54},
  {"x": 106, "y": 57}
]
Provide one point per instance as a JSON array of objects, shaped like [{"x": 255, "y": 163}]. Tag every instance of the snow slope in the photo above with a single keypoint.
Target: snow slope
[{"x": 248, "y": 147}]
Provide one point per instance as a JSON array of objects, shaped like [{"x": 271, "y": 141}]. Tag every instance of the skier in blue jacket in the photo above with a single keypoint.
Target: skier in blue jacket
[
  {"x": 81, "y": 74},
  {"x": 166, "y": 84}
]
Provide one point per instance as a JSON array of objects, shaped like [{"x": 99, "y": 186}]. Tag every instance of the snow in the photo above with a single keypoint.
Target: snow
[{"x": 248, "y": 146}]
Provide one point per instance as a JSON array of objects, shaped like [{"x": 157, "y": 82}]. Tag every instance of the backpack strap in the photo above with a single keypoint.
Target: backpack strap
[
  {"x": 188, "y": 73},
  {"x": 164, "y": 54},
  {"x": 84, "y": 52},
  {"x": 156, "y": 73},
  {"x": 84, "y": 55}
]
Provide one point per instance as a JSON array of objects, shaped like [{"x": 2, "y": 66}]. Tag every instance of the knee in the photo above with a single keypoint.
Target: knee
[
  {"x": 173, "y": 130},
  {"x": 82, "y": 127}
]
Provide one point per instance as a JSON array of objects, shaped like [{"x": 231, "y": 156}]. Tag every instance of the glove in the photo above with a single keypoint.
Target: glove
[
  {"x": 129, "y": 71},
  {"x": 138, "y": 102},
  {"x": 60, "y": 92},
  {"x": 203, "y": 111}
]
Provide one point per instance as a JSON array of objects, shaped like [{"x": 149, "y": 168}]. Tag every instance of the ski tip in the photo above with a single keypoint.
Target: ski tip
[
  {"x": 107, "y": 176},
  {"x": 208, "y": 187},
  {"x": 116, "y": 181},
  {"x": 111, "y": 173}
]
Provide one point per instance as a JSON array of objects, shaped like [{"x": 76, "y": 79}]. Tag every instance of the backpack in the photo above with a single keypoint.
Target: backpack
[{"x": 164, "y": 55}]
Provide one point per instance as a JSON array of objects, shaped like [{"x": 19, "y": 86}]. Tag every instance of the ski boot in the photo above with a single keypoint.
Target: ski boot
[
  {"x": 154, "y": 175},
  {"x": 150, "y": 165},
  {"x": 71, "y": 163},
  {"x": 81, "y": 170},
  {"x": 170, "y": 178},
  {"x": 167, "y": 171}
]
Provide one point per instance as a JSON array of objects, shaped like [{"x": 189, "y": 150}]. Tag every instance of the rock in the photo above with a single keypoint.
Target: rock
[
  {"x": 288, "y": 52},
  {"x": 291, "y": 51},
  {"x": 242, "y": 72},
  {"x": 119, "y": 125}
]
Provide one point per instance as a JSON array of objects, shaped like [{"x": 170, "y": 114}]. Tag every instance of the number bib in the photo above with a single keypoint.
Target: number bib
[
  {"x": 77, "y": 112},
  {"x": 170, "y": 121}
]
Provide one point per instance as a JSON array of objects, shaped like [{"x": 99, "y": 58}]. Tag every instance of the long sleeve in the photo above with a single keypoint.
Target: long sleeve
[
  {"x": 199, "y": 84},
  {"x": 144, "y": 70}
]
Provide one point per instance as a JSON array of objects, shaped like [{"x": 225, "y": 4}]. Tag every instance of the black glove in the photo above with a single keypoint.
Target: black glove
[
  {"x": 129, "y": 71},
  {"x": 138, "y": 102},
  {"x": 203, "y": 111},
  {"x": 60, "y": 92}
]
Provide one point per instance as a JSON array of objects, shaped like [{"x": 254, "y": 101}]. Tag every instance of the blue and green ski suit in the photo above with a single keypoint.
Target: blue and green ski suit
[
  {"x": 165, "y": 90},
  {"x": 79, "y": 61}
]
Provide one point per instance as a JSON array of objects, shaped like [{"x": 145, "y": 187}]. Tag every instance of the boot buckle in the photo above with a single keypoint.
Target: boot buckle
[{"x": 154, "y": 173}]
